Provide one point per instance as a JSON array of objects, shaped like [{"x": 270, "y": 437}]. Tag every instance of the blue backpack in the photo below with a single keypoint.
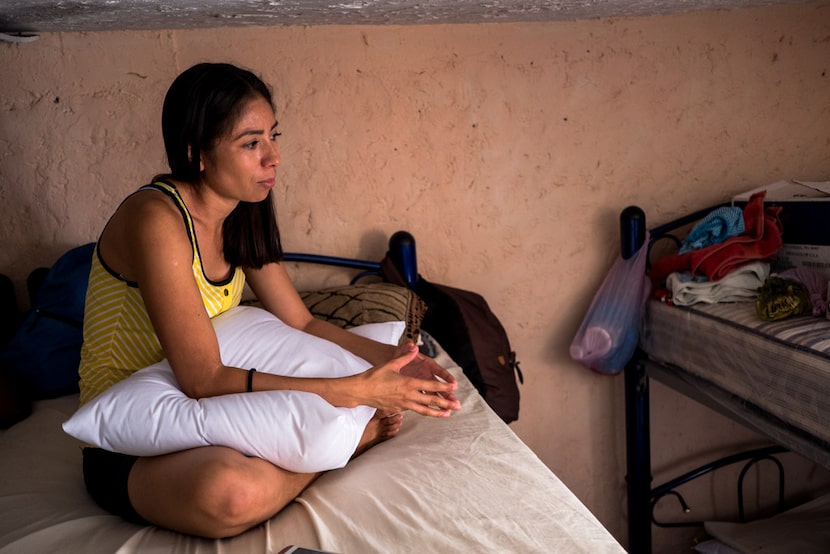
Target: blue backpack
[{"x": 44, "y": 353}]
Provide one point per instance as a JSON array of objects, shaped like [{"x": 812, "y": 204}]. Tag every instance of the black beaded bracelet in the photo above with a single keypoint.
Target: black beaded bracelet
[{"x": 251, "y": 379}]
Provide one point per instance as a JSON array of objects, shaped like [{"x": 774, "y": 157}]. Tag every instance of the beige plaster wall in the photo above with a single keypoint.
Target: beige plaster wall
[{"x": 507, "y": 149}]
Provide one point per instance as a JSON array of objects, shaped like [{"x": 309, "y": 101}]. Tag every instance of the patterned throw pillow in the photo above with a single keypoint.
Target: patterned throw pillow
[{"x": 353, "y": 305}]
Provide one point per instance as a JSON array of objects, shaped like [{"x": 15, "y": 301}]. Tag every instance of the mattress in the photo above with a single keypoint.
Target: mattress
[
  {"x": 777, "y": 374},
  {"x": 462, "y": 484}
]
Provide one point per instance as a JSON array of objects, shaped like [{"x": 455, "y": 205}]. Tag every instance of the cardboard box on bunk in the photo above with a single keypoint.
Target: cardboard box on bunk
[{"x": 805, "y": 218}]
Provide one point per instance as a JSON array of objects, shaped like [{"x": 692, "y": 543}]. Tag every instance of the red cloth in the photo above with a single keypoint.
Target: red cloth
[{"x": 760, "y": 240}]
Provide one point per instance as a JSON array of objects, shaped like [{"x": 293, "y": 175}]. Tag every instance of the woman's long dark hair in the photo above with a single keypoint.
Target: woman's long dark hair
[{"x": 200, "y": 107}]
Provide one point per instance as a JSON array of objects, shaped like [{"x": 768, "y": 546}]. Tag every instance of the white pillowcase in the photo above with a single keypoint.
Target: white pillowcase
[{"x": 146, "y": 414}]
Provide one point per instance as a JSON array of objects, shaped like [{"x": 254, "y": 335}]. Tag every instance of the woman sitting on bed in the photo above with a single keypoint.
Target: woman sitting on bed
[{"x": 177, "y": 253}]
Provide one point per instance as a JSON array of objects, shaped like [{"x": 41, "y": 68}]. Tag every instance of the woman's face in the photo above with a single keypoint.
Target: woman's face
[{"x": 242, "y": 165}]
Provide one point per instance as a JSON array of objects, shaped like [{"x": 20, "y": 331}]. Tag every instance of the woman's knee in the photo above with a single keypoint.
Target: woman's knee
[
  {"x": 213, "y": 492},
  {"x": 232, "y": 495}
]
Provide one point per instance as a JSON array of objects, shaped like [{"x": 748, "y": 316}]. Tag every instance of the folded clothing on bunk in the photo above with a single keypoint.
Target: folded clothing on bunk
[
  {"x": 760, "y": 240},
  {"x": 740, "y": 285}
]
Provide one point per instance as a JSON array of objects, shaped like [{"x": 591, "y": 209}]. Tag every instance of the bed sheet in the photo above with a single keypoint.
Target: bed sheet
[
  {"x": 464, "y": 484},
  {"x": 776, "y": 373},
  {"x": 804, "y": 529}
]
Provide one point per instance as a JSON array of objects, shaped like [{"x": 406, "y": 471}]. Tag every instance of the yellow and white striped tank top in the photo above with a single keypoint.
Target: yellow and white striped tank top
[{"x": 118, "y": 336}]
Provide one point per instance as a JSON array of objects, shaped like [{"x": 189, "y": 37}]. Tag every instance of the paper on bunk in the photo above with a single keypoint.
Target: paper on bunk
[{"x": 805, "y": 209}]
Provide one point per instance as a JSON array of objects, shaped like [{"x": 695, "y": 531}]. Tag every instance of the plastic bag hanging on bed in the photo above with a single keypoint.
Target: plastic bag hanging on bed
[{"x": 609, "y": 334}]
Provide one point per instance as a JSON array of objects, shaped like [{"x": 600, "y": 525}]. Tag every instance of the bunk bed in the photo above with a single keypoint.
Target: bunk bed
[
  {"x": 771, "y": 376},
  {"x": 463, "y": 484}
]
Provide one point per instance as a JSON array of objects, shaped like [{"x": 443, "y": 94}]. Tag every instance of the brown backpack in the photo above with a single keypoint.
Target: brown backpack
[{"x": 465, "y": 326}]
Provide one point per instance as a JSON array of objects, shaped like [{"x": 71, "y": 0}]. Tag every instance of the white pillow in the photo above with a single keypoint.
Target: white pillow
[{"x": 146, "y": 414}]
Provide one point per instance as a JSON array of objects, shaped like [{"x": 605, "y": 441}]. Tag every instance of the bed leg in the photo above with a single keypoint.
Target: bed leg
[
  {"x": 638, "y": 447},
  {"x": 638, "y": 457}
]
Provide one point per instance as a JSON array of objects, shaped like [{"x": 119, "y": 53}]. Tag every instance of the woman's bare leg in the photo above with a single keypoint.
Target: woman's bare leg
[
  {"x": 211, "y": 491},
  {"x": 217, "y": 492}
]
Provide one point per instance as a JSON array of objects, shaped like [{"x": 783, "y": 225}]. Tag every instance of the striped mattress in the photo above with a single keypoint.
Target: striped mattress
[{"x": 781, "y": 368}]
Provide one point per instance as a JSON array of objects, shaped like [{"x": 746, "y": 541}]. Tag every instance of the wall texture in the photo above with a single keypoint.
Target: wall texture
[{"x": 508, "y": 150}]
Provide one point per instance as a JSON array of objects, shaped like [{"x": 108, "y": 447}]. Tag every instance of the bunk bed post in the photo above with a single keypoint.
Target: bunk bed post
[
  {"x": 638, "y": 447},
  {"x": 638, "y": 457},
  {"x": 403, "y": 254}
]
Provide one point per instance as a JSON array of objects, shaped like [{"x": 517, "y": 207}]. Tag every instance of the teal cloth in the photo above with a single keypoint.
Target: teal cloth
[{"x": 718, "y": 225}]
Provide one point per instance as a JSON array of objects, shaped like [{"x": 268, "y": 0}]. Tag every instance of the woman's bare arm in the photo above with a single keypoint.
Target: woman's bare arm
[
  {"x": 277, "y": 293},
  {"x": 147, "y": 243}
]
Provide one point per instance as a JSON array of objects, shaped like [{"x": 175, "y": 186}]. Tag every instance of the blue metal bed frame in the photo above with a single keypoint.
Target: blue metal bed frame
[
  {"x": 642, "y": 497},
  {"x": 401, "y": 251}
]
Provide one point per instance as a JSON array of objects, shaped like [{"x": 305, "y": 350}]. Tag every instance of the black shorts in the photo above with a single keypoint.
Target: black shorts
[{"x": 105, "y": 477}]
